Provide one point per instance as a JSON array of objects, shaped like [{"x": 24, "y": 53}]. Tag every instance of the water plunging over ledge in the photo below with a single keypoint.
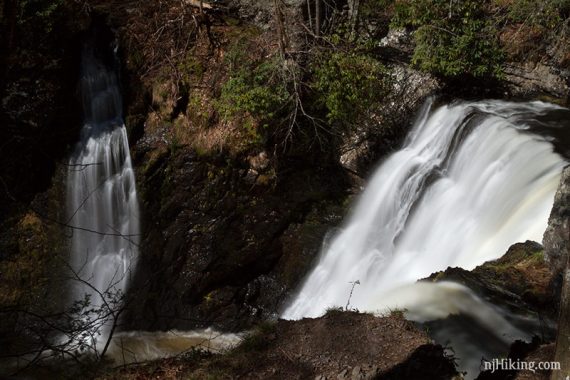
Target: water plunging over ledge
[
  {"x": 104, "y": 213},
  {"x": 471, "y": 180},
  {"x": 101, "y": 195}
]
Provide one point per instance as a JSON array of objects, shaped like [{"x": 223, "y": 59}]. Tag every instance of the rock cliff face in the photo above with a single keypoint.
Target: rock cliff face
[
  {"x": 556, "y": 247},
  {"x": 537, "y": 67},
  {"x": 219, "y": 247},
  {"x": 557, "y": 235}
]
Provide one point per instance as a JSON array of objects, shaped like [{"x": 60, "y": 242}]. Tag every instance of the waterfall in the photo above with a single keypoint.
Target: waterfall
[
  {"x": 101, "y": 195},
  {"x": 471, "y": 179}
]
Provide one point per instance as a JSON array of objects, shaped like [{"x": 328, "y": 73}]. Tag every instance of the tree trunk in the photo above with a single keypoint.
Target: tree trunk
[
  {"x": 280, "y": 27},
  {"x": 309, "y": 15},
  {"x": 353, "y": 6},
  {"x": 318, "y": 17},
  {"x": 562, "y": 354}
]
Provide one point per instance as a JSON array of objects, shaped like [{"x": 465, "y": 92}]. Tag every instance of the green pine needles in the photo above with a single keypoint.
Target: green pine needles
[{"x": 452, "y": 37}]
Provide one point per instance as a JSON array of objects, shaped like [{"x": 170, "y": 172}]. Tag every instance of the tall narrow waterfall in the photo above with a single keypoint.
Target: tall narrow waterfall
[
  {"x": 101, "y": 193},
  {"x": 471, "y": 180}
]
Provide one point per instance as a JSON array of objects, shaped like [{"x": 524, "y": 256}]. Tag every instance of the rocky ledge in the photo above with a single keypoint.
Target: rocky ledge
[
  {"x": 339, "y": 345},
  {"x": 520, "y": 280}
]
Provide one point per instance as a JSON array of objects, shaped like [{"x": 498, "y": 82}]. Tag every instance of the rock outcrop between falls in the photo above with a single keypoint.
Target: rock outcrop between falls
[{"x": 339, "y": 345}]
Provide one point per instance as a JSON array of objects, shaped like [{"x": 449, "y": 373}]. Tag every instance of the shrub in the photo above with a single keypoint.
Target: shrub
[
  {"x": 257, "y": 92},
  {"x": 346, "y": 84},
  {"x": 452, "y": 38},
  {"x": 544, "y": 13}
]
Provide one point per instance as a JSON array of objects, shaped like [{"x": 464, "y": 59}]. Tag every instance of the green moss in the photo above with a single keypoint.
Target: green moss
[
  {"x": 201, "y": 151},
  {"x": 538, "y": 256},
  {"x": 164, "y": 95},
  {"x": 520, "y": 258},
  {"x": 231, "y": 21},
  {"x": 209, "y": 297}
]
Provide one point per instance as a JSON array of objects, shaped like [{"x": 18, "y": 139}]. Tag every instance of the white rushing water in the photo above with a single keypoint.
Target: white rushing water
[
  {"x": 470, "y": 181},
  {"x": 101, "y": 194}
]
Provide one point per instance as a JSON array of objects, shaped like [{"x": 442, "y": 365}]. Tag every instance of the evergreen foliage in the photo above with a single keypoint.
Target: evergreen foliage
[
  {"x": 452, "y": 38},
  {"x": 347, "y": 84}
]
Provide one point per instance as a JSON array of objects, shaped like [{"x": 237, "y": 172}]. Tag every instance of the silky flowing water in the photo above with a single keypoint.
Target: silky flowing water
[
  {"x": 471, "y": 179},
  {"x": 102, "y": 198}
]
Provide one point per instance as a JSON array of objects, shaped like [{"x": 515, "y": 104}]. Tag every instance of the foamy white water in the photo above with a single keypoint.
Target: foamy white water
[
  {"x": 139, "y": 346},
  {"x": 469, "y": 182},
  {"x": 426, "y": 301},
  {"x": 101, "y": 193}
]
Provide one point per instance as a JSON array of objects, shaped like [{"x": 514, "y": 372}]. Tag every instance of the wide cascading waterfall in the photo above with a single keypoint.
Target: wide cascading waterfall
[
  {"x": 471, "y": 179},
  {"x": 102, "y": 198}
]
